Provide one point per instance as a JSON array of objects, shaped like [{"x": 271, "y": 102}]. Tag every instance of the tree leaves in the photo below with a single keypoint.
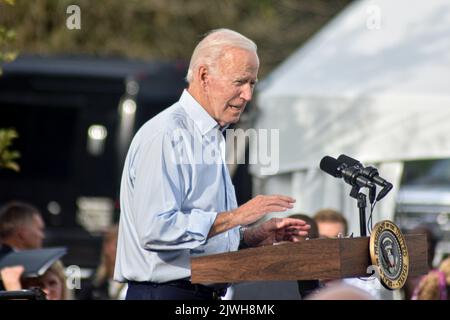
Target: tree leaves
[
  {"x": 165, "y": 29},
  {"x": 8, "y": 157},
  {"x": 7, "y": 37}
]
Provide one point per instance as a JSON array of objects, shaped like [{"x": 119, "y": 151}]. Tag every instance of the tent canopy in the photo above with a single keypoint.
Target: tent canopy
[{"x": 374, "y": 83}]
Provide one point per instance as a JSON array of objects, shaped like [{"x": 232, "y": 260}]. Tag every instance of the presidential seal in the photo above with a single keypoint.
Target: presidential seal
[{"x": 389, "y": 253}]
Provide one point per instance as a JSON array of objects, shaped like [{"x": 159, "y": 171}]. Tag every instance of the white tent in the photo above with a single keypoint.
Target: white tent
[{"x": 373, "y": 84}]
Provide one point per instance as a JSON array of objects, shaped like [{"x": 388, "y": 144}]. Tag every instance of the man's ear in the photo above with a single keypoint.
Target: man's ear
[
  {"x": 203, "y": 76},
  {"x": 21, "y": 233}
]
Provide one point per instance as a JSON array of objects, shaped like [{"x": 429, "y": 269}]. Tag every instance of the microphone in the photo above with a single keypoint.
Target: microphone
[
  {"x": 351, "y": 174},
  {"x": 349, "y": 161},
  {"x": 369, "y": 172}
]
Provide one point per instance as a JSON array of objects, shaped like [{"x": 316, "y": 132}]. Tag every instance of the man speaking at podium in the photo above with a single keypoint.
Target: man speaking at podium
[{"x": 177, "y": 198}]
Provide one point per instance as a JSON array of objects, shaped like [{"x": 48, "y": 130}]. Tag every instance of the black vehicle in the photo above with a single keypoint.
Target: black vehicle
[
  {"x": 75, "y": 117},
  {"x": 424, "y": 200}
]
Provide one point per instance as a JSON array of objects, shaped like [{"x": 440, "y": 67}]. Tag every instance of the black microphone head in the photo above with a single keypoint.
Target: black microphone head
[
  {"x": 330, "y": 165},
  {"x": 388, "y": 187},
  {"x": 348, "y": 160}
]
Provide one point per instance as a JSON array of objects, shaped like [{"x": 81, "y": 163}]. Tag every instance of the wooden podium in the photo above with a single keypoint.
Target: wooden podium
[{"x": 306, "y": 260}]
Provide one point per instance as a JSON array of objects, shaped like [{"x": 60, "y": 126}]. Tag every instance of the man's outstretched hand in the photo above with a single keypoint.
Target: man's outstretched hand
[
  {"x": 250, "y": 212},
  {"x": 276, "y": 230}
]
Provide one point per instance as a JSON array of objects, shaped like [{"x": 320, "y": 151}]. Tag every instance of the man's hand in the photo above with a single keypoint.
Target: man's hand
[
  {"x": 11, "y": 277},
  {"x": 260, "y": 205},
  {"x": 250, "y": 212},
  {"x": 276, "y": 230}
]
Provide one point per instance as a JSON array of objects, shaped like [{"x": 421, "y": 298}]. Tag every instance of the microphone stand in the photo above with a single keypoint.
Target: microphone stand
[{"x": 362, "y": 203}]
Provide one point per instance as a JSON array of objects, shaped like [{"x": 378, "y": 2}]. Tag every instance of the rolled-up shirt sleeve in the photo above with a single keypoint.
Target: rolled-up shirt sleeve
[{"x": 162, "y": 179}]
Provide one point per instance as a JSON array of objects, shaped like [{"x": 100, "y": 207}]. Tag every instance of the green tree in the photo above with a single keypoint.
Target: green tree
[
  {"x": 165, "y": 29},
  {"x": 7, "y": 37},
  {"x": 7, "y": 156}
]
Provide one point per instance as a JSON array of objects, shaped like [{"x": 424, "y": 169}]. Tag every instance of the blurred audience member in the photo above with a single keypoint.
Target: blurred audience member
[
  {"x": 307, "y": 287},
  {"x": 52, "y": 282},
  {"x": 103, "y": 286},
  {"x": 432, "y": 240},
  {"x": 340, "y": 291},
  {"x": 435, "y": 285},
  {"x": 331, "y": 223},
  {"x": 21, "y": 227}
]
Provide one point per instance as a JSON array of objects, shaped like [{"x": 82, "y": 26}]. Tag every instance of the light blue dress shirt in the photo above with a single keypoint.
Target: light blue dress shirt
[{"x": 174, "y": 183}]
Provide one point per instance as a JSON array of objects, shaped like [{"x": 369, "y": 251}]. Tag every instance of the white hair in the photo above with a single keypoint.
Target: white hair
[{"x": 209, "y": 50}]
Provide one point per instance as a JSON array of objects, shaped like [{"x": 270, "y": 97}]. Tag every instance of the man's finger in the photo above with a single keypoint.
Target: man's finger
[
  {"x": 297, "y": 229},
  {"x": 281, "y": 197},
  {"x": 284, "y": 222},
  {"x": 279, "y": 202},
  {"x": 276, "y": 208}
]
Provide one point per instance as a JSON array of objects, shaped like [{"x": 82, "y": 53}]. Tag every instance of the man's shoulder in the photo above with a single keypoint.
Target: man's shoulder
[
  {"x": 168, "y": 123},
  {"x": 5, "y": 249},
  {"x": 170, "y": 119}
]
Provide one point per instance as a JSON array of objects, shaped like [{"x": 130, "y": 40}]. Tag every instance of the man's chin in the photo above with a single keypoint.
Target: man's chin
[
  {"x": 234, "y": 120},
  {"x": 230, "y": 120}
]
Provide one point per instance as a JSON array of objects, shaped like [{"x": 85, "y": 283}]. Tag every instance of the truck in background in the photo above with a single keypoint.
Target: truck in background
[{"x": 424, "y": 200}]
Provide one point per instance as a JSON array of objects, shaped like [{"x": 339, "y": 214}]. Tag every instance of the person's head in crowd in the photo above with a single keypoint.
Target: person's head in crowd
[
  {"x": 432, "y": 240},
  {"x": 21, "y": 226},
  {"x": 331, "y": 223},
  {"x": 313, "y": 232},
  {"x": 340, "y": 291},
  {"x": 52, "y": 282},
  {"x": 435, "y": 285},
  {"x": 412, "y": 283},
  {"x": 222, "y": 74},
  {"x": 105, "y": 270}
]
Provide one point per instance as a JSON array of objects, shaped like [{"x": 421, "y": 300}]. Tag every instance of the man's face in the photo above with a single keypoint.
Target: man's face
[
  {"x": 230, "y": 85},
  {"x": 32, "y": 233},
  {"x": 328, "y": 229}
]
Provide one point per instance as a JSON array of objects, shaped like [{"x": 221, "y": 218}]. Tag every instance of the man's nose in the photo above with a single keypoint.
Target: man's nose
[
  {"x": 43, "y": 235},
  {"x": 247, "y": 92}
]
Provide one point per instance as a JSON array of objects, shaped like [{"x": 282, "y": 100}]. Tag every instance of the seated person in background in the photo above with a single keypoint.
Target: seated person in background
[
  {"x": 432, "y": 240},
  {"x": 331, "y": 223},
  {"x": 435, "y": 285},
  {"x": 21, "y": 227},
  {"x": 340, "y": 291},
  {"x": 103, "y": 285},
  {"x": 52, "y": 282},
  {"x": 307, "y": 287}
]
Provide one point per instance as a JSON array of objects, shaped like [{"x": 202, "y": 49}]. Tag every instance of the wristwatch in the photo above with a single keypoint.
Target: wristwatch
[
  {"x": 242, "y": 244},
  {"x": 241, "y": 233}
]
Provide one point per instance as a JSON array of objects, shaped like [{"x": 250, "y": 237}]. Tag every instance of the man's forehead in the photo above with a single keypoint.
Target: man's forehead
[
  {"x": 240, "y": 65},
  {"x": 38, "y": 219},
  {"x": 238, "y": 55}
]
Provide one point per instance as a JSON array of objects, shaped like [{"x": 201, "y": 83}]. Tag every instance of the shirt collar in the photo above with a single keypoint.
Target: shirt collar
[{"x": 196, "y": 112}]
